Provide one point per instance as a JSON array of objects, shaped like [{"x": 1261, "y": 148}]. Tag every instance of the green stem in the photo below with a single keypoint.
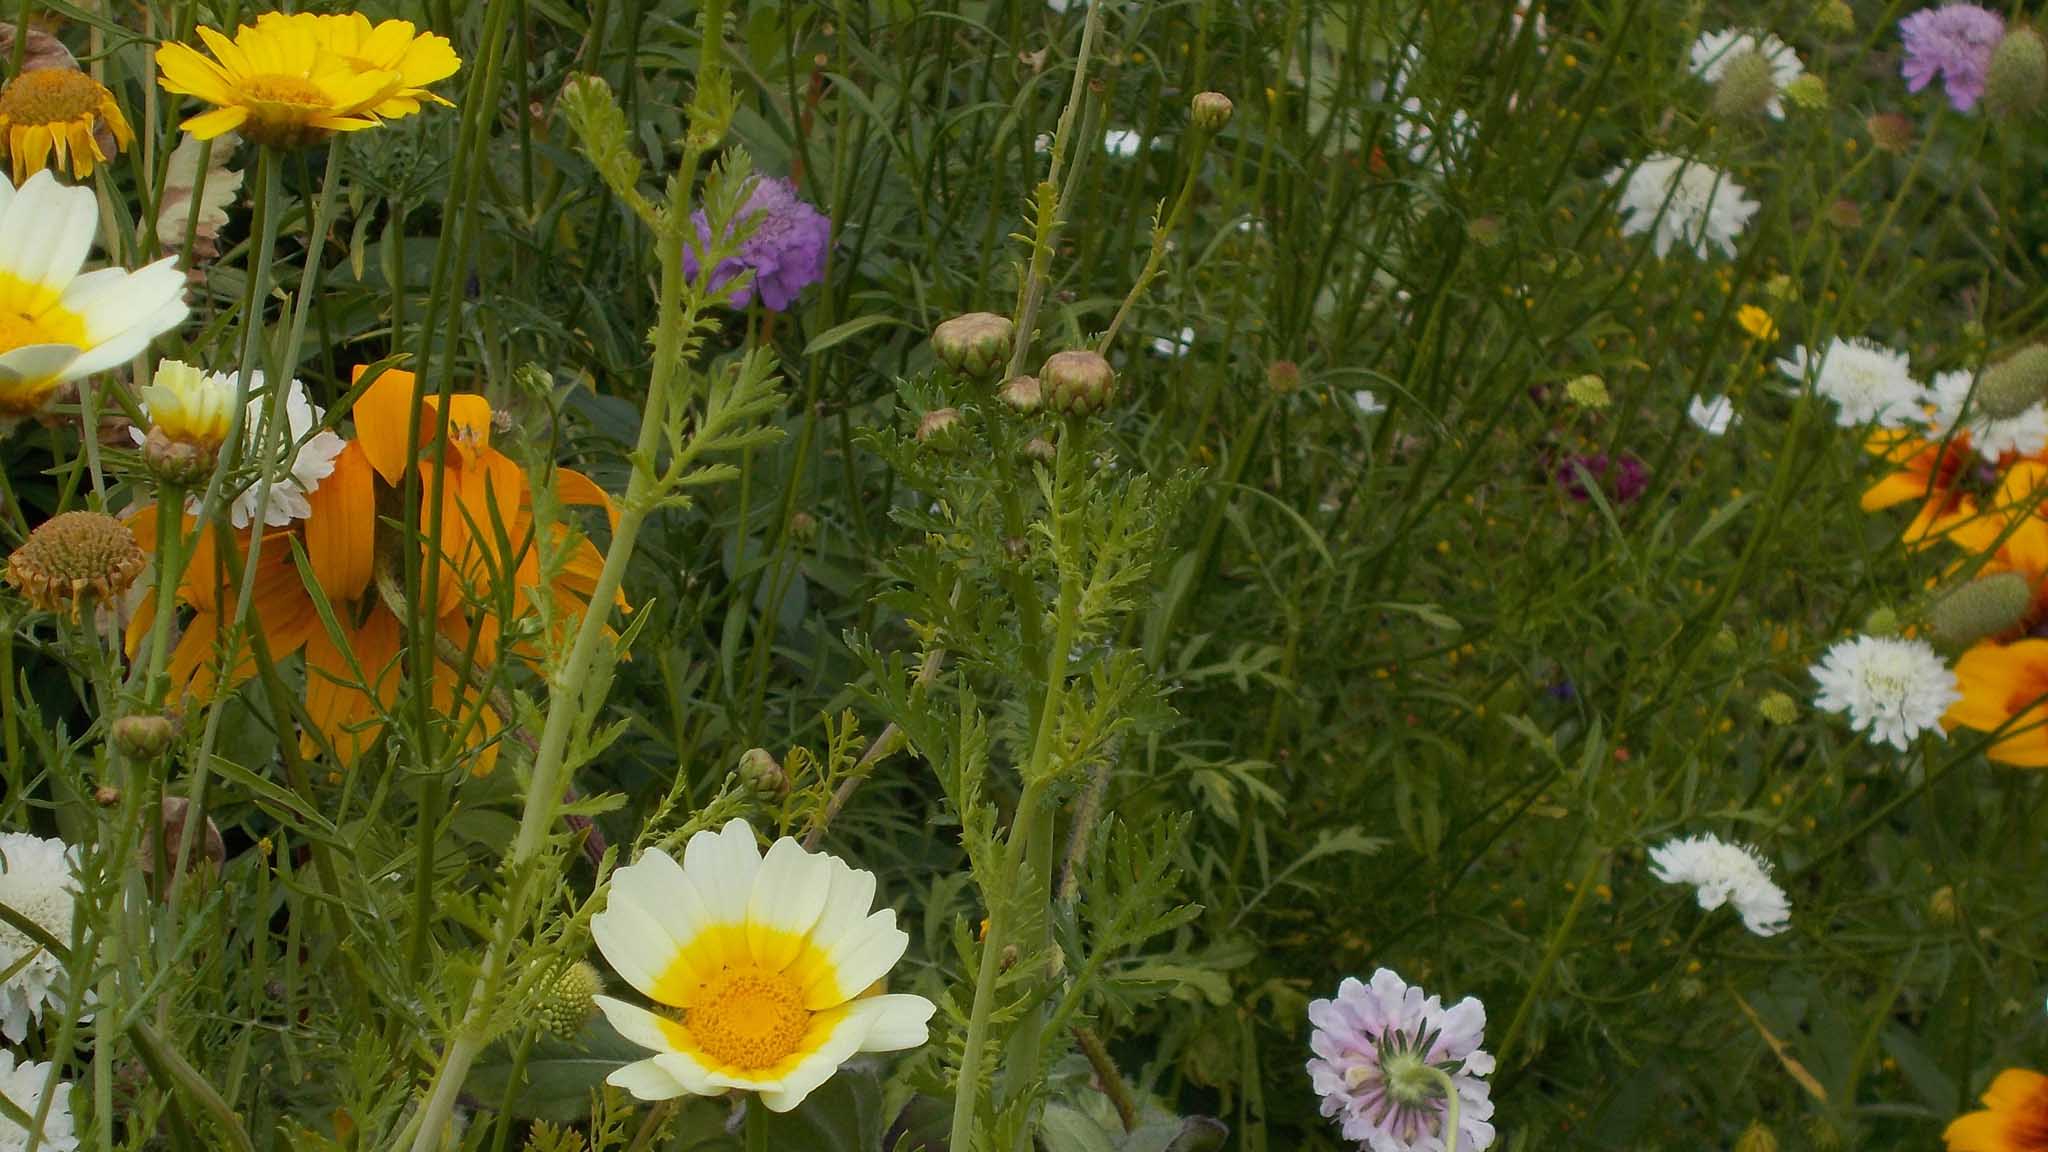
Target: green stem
[
  {"x": 1558, "y": 939},
  {"x": 757, "y": 1126},
  {"x": 1160, "y": 234},
  {"x": 1451, "y": 1106}
]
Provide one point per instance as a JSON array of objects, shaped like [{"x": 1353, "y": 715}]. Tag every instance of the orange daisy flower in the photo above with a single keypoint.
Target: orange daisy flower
[
  {"x": 2005, "y": 688},
  {"x": 2014, "y": 1117},
  {"x": 490, "y": 569}
]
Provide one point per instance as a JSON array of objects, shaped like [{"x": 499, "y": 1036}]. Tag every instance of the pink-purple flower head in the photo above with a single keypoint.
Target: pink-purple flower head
[
  {"x": 1954, "y": 42},
  {"x": 785, "y": 252},
  {"x": 1623, "y": 478},
  {"x": 1385, "y": 1054}
]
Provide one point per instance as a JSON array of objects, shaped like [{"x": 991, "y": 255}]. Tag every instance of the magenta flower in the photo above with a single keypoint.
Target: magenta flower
[
  {"x": 786, "y": 252},
  {"x": 1623, "y": 478},
  {"x": 1385, "y": 1056},
  {"x": 1955, "y": 42}
]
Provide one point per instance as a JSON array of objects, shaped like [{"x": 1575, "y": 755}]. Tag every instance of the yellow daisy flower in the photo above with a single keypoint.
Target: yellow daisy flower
[
  {"x": 56, "y": 323},
  {"x": 276, "y": 82},
  {"x": 58, "y": 110},
  {"x": 190, "y": 406},
  {"x": 389, "y": 46},
  {"x": 1757, "y": 323},
  {"x": 764, "y": 969}
]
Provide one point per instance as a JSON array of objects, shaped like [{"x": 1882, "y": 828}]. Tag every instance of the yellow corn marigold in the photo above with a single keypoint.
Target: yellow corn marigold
[{"x": 59, "y": 111}]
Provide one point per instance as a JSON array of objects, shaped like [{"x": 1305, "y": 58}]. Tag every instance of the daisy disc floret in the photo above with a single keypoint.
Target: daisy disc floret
[
  {"x": 763, "y": 970},
  {"x": 1867, "y": 382},
  {"x": 1385, "y": 1052},
  {"x": 1684, "y": 203},
  {"x": 22, "y": 1083},
  {"x": 38, "y": 880},
  {"x": 1891, "y": 688},
  {"x": 58, "y": 112},
  {"x": 1725, "y": 873},
  {"x": 1714, "y": 52},
  {"x": 57, "y": 323}
]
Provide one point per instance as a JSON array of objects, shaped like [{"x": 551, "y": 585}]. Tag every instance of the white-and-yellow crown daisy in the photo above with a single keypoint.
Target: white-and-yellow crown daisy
[
  {"x": 765, "y": 970},
  {"x": 58, "y": 324}
]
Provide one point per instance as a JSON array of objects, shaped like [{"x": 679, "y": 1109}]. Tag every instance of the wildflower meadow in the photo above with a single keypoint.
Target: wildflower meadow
[{"x": 1023, "y": 575}]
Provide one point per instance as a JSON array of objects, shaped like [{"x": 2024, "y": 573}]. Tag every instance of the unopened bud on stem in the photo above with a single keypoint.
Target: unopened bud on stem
[
  {"x": 974, "y": 344},
  {"x": 2014, "y": 384},
  {"x": 1979, "y": 610}
]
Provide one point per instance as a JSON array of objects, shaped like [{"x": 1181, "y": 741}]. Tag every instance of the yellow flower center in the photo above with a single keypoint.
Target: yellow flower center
[
  {"x": 749, "y": 1017},
  {"x": 277, "y": 88},
  {"x": 51, "y": 96},
  {"x": 56, "y": 326}
]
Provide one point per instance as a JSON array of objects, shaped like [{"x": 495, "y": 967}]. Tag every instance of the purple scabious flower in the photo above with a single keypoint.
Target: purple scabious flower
[
  {"x": 1623, "y": 478},
  {"x": 786, "y": 252},
  {"x": 1383, "y": 1054},
  {"x": 1955, "y": 42}
]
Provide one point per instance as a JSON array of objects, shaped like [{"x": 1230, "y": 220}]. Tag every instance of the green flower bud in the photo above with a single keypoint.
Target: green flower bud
[
  {"x": 176, "y": 462},
  {"x": 1756, "y": 1138},
  {"x": 1022, "y": 393},
  {"x": 1040, "y": 449},
  {"x": 1588, "y": 391},
  {"x": 1078, "y": 382},
  {"x": 1779, "y": 709},
  {"x": 2011, "y": 386},
  {"x": 1211, "y": 111},
  {"x": 142, "y": 737},
  {"x": 1747, "y": 87},
  {"x": 2019, "y": 74},
  {"x": 762, "y": 773},
  {"x": 1809, "y": 92},
  {"x": 1835, "y": 16},
  {"x": 1941, "y": 906},
  {"x": 941, "y": 429},
  {"x": 1882, "y": 621},
  {"x": 1979, "y": 610},
  {"x": 974, "y": 344},
  {"x": 569, "y": 1001}
]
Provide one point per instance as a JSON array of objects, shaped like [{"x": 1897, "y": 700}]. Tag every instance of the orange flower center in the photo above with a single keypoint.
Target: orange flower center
[
  {"x": 51, "y": 96},
  {"x": 749, "y": 1017},
  {"x": 291, "y": 91}
]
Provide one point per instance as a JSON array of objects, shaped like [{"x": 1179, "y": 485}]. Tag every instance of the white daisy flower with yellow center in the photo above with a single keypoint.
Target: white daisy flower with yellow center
[
  {"x": 764, "y": 971},
  {"x": 56, "y": 323}
]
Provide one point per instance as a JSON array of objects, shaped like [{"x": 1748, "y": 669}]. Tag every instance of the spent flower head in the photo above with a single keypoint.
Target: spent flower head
[{"x": 74, "y": 556}]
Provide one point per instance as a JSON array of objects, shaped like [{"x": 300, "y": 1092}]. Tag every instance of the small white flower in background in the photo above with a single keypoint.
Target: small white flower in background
[
  {"x": 1714, "y": 51},
  {"x": 2024, "y": 434},
  {"x": 766, "y": 965},
  {"x": 312, "y": 458},
  {"x": 1713, "y": 415},
  {"x": 1685, "y": 202},
  {"x": 22, "y": 1084},
  {"x": 223, "y": 184},
  {"x": 1521, "y": 17},
  {"x": 38, "y": 880},
  {"x": 1368, "y": 404},
  {"x": 1416, "y": 134},
  {"x": 1381, "y": 1049},
  {"x": 1867, "y": 382},
  {"x": 1725, "y": 873},
  {"x": 1176, "y": 345},
  {"x": 1122, "y": 142},
  {"x": 1891, "y": 688}
]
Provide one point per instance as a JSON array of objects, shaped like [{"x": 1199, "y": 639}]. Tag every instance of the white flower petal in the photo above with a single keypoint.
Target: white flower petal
[
  {"x": 789, "y": 892},
  {"x": 723, "y": 864}
]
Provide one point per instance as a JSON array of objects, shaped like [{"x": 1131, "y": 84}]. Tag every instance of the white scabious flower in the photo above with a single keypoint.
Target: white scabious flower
[
  {"x": 765, "y": 968},
  {"x": 1868, "y": 382},
  {"x": 1381, "y": 1049},
  {"x": 1123, "y": 142},
  {"x": 312, "y": 455},
  {"x": 1683, "y": 202},
  {"x": 1714, "y": 51},
  {"x": 1713, "y": 415},
  {"x": 1368, "y": 403},
  {"x": 1891, "y": 688},
  {"x": 37, "y": 879},
  {"x": 1724, "y": 873},
  {"x": 22, "y": 1084},
  {"x": 2024, "y": 434}
]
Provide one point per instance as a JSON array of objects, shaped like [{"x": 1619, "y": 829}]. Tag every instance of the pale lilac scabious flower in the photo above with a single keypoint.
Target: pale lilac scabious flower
[
  {"x": 1955, "y": 42},
  {"x": 1376, "y": 1045},
  {"x": 786, "y": 251}
]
